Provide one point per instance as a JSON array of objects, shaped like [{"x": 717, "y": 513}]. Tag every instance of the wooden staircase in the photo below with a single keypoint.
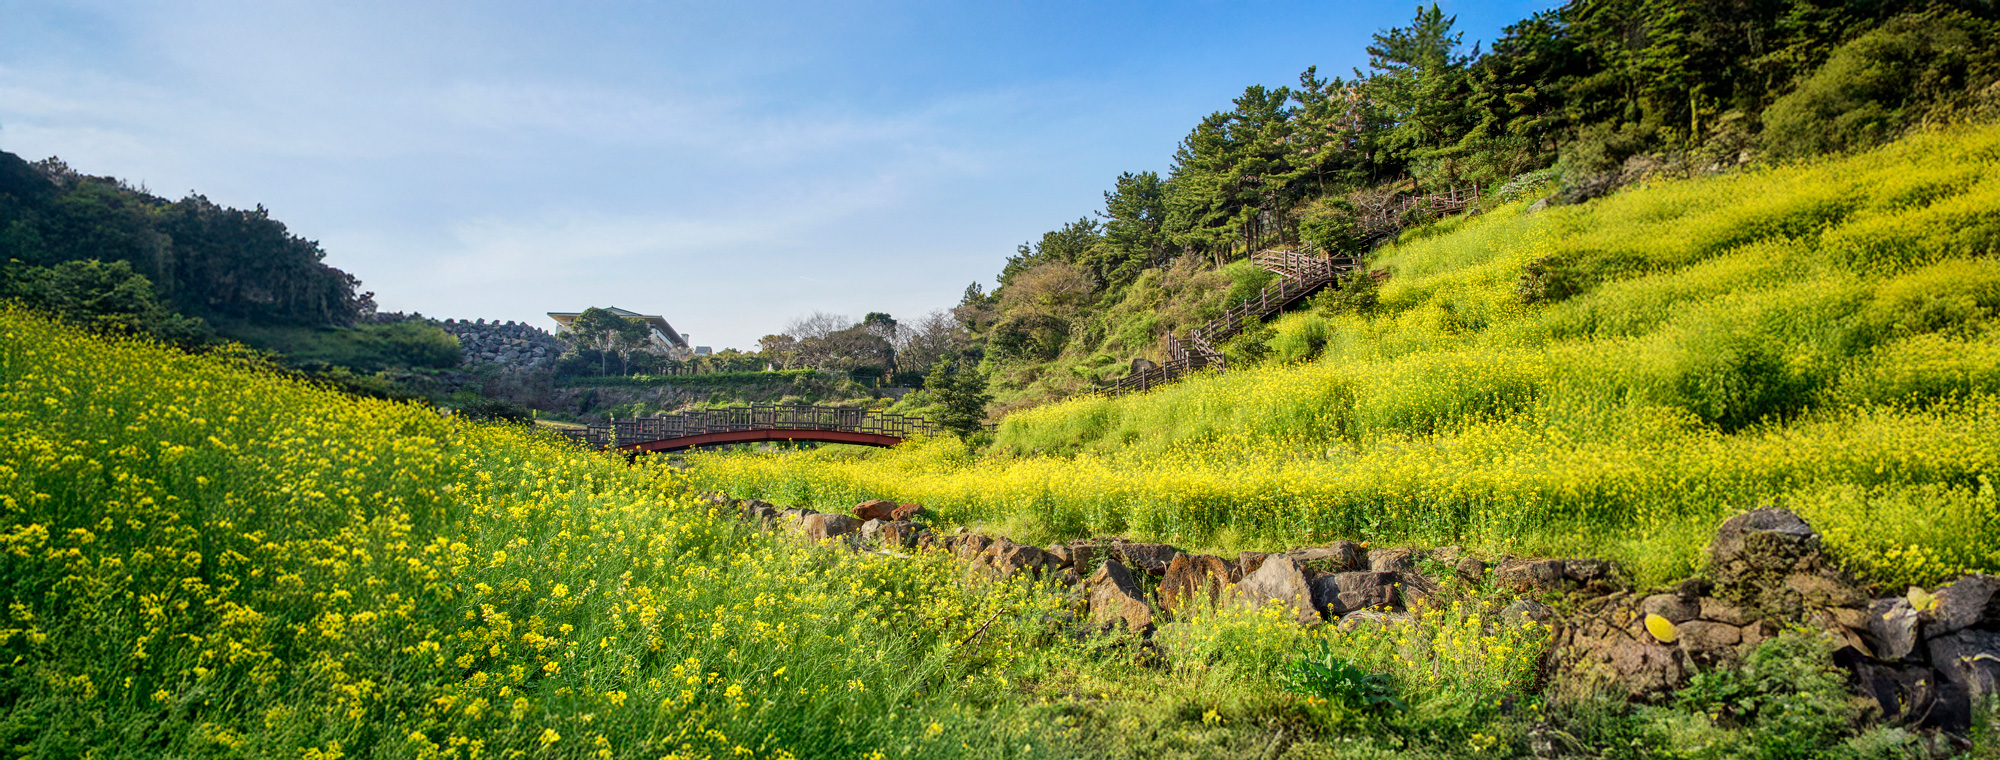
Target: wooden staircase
[{"x": 1299, "y": 275}]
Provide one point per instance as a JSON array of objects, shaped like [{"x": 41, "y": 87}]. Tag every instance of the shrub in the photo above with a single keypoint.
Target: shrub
[{"x": 1911, "y": 69}]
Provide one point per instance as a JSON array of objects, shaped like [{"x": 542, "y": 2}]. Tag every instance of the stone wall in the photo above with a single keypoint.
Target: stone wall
[{"x": 508, "y": 345}]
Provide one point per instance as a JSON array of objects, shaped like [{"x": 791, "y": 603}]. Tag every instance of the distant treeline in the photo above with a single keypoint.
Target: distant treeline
[{"x": 201, "y": 259}]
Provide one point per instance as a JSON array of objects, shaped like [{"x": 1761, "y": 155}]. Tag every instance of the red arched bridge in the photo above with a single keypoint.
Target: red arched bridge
[{"x": 748, "y": 424}]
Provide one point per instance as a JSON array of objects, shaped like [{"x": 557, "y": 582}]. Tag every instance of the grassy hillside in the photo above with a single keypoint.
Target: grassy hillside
[
  {"x": 1607, "y": 379},
  {"x": 202, "y": 559}
]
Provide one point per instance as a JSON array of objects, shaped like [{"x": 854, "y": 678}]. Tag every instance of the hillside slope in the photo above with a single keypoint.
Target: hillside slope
[
  {"x": 202, "y": 559},
  {"x": 1606, "y": 379}
]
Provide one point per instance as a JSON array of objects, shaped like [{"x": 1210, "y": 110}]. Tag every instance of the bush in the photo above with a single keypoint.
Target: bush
[{"x": 1913, "y": 69}]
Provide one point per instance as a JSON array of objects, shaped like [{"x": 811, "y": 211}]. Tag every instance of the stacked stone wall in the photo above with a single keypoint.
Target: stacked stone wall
[{"x": 508, "y": 345}]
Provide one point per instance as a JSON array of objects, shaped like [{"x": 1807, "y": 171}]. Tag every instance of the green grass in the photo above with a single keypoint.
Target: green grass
[{"x": 1820, "y": 336}]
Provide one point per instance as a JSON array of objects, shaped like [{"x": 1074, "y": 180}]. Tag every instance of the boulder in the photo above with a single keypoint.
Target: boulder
[
  {"x": 1591, "y": 572},
  {"x": 1892, "y": 628},
  {"x": 1116, "y": 598},
  {"x": 1672, "y": 607},
  {"x": 1969, "y": 660},
  {"x": 1530, "y": 575},
  {"x": 1336, "y": 557},
  {"x": 903, "y": 533},
  {"x": 1967, "y": 602},
  {"x": 1152, "y": 558},
  {"x": 1721, "y": 611},
  {"x": 1709, "y": 642},
  {"x": 871, "y": 529},
  {"x": 826, "y": 526},
  {"x": 1248, "y": 562},
  {"x": 875, "y": 509},
  {"x": 1393, "y": 560},
  {"x": 1060, "y": 554},
  {"x": 907, "y": 511},
  {"x": 1911, "y": 695},
  {"x": 1006, "y": 558},
  {"x": 1608, "y": 642},
  {"x": 1341, "y": 593},
  {"x": 1195, "y": 578},
  {"x": 1822, "y": 590},
  {"x": 969, "y": 546},
  {"x": 1277, "y": 582},
  {"x": 1413, "y": 588},
  {"x": 1762, "y": 542},
  {"x": 1472, "y": 570}
]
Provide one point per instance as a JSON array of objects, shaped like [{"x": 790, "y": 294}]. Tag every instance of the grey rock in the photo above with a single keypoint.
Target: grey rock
[
  {"x": 1892, "y": 628},
  {"x": 1722, "y": 611},
  {"x": 1277, "y": 581},
  {"x": 1115, "y": 598},
  {"x": 1672, "y": 607},
  {"x": 824, "y": 527},
  {"x": 1152, "y": 558},
  {"x": 1912, "y": 695},
  {"x": 1970, "y": 660},
  {"x": 1337, "y": 557},
  {"x": 1195, "y": 578},
  {"x": 1530, "y": 575},
  {"x": 1703, "y": 638},
  {"x": 1393, "y": 560},
  {"x": 871, "y": 529},
  {"x": 1765, "y": 540},
  {"x": 1967, "y": 602},
  {"x": 1471, "y": 570},
  {"x": 1341, "y": 593}
]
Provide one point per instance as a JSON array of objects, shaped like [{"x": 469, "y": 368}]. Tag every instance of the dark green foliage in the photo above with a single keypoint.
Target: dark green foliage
[
  {"x": 1549, "y": 279},
  {"x": 1357, "y": 294},
  {"x": 608, "y": 335},
  {"x": 1251, "y": 346},
  {"x": 1916, "y": 67},
  {"x": 109, "y": 297},
  {"x": 960, "y": 397},
  {"x": 1031, "y": 335},
  {"x": 1325, "y": 674},
  {"x": 1332, "y": 230},
  {"x": 495, "y": 410},
  {"x": 203, "y": 260},
  {"x": 365, "y": 348},
  {"x": 1788, "y": 695}
]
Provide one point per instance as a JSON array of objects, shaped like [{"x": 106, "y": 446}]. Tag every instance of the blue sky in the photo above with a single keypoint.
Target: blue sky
[{"x": 728, "y": 165}]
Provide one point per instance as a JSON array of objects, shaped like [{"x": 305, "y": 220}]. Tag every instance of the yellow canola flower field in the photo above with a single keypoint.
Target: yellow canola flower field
[
  {"x": 1612, "y": 379},
  {"x": 203, "y": 558}
]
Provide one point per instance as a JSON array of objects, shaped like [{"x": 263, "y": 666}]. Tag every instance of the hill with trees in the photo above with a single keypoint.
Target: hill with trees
[{"x": 1568, "y": 104}]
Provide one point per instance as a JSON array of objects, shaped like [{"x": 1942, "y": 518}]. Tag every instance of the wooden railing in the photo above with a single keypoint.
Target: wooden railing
[
  {"x": 1299, "y": 275},
  {"x": 1385, "y": 219},
  {"x": 734, "y": 419}
]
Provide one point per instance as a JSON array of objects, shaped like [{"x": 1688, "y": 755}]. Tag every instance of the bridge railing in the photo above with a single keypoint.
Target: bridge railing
[{"x": 736, "y": 419}]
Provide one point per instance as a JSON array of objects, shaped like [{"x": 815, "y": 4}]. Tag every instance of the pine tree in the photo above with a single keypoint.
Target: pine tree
[{"x": 961, "y": 397}]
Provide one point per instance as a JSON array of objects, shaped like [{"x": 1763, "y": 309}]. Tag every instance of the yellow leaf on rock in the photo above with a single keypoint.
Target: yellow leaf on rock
[
  {"x": 1921, "y": 600},
  {"x": 1662, "y": 628}
]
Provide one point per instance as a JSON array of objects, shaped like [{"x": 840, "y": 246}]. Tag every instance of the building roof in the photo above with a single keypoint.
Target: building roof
[{"x": 661, "y": 330}]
